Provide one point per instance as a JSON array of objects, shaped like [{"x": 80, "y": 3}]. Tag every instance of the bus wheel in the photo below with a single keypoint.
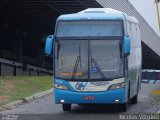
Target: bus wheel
[
  {"x": 134, "y": 100},
  {"x": 66, "y": 107},
  {"x": 123, "y": 107}
]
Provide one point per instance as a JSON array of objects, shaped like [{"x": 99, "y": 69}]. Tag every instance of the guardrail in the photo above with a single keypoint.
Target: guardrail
[{"x": 12, "y": 68}]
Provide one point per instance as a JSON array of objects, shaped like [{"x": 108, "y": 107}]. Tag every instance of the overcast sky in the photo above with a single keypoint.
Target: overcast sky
[{"x": 147, "y": 9}]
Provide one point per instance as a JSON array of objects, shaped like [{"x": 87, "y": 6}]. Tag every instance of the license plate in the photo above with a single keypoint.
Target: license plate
[{"x": 89, "y": 97}]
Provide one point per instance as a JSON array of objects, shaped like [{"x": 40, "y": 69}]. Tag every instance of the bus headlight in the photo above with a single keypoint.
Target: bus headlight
[
  {"x": 117, "y": 86},
  {"x": 60, "y": 86}
]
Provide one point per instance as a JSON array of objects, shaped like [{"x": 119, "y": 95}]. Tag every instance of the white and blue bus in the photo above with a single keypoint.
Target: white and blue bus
[{"x": 97, "y": 58}]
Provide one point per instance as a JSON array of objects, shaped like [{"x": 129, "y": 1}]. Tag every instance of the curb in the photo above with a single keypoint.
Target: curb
[{"x": 25, "y": 100}]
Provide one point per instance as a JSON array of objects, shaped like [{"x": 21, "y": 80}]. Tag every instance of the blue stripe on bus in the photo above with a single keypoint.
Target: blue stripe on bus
[{"x": 107, "y": 97}]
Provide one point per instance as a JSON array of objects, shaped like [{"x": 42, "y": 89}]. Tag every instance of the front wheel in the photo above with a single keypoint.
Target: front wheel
[
  {"x": 66, "y": 107},
  {"x": 123, "y": 107}
]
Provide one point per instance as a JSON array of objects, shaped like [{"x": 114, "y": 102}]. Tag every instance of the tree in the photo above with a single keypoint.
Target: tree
[{"x": 157, "y": 1}]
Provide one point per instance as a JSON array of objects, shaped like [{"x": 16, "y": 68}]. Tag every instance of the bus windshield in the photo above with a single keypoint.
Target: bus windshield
[
  {"x": 88, "y": 59},
  {"x": 89, "y": 28}
]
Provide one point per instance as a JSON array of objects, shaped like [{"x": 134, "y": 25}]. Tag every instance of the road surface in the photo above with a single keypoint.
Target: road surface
[{"x": 147, "y": 103}]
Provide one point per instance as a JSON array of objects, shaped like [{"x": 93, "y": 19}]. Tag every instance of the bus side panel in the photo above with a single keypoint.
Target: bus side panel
[{"x": 134, "y": 59}]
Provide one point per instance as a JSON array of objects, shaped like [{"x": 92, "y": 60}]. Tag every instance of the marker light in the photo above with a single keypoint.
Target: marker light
[
  {"x": 60, "y": 86},
  {"x": 117, "y": 86},
  {"x": 117, "y": 101},
  {"x": 62, "y": 101}
]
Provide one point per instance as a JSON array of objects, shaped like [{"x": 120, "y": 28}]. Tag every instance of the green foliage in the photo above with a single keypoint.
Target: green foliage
[{"x": 14, "y": 88}]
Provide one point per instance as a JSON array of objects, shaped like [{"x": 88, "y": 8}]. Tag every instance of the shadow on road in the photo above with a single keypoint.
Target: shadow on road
[{"x": 103, "y": 108}]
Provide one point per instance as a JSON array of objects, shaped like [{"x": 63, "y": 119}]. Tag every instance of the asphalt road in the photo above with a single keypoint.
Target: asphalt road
[{"x": 44, "y": 108}]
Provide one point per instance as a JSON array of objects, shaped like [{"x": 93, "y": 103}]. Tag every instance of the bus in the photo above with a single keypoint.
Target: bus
[
  {"x": 150, "y": 75},
  {"x": 96, "y": 58}
]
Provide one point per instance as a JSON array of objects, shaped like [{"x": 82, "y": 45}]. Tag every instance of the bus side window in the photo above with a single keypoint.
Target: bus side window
[
  {"x": 131, "y": 34},
  {"x": 138, "y": 35},
  {"x": 129, "y": 29},
  {"x": 133, "y": 29}
]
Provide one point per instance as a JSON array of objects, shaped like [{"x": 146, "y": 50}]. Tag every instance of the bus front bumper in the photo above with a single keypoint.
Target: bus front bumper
[{"x": 105, "y": 97}]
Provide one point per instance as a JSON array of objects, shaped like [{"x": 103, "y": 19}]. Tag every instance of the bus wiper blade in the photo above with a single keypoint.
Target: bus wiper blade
[
  {"x": 96, "y": 64},
  {"x": 98, "y": 68},
  {"x": 78, "y": 60},
  {"x": 76, "y": 66}
]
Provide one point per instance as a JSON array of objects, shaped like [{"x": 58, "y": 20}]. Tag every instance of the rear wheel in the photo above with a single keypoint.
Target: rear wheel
[
  {"x": 66, "y": 107},
  {"x": 134, "y": 100},
  {"x": 128, "y": 94}
]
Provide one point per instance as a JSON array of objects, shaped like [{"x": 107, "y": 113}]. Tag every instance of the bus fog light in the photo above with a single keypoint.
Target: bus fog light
[
  {"x": 60, "y": 86},
  {"x": 117, "y": 101},
  {"x": 62, "y": 101},
  {"x": 117, "y": 86}
]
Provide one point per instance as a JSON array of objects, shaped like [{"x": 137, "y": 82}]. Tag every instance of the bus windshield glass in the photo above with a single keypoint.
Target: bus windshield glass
[
  {"x": 88, "y": 59},
  {"x": 89, "y": 28}
]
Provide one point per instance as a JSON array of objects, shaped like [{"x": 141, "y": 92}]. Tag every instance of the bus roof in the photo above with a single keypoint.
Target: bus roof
[{"x": 98, "y": 14}]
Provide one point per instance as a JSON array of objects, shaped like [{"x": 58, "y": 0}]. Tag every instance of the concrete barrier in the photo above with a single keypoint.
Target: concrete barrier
[{"x": 12, "y": 68}]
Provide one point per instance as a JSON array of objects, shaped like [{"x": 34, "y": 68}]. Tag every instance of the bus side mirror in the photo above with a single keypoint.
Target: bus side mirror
[
  {"x": 49, "y": 45},
  {"x": 127, "y": 45}
]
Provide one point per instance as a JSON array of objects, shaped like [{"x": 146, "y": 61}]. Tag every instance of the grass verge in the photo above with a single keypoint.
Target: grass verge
[{"x": 14, "y": 88}]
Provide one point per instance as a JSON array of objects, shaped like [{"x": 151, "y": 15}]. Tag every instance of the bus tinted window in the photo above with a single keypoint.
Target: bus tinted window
[{"x": 89, "y": 28}]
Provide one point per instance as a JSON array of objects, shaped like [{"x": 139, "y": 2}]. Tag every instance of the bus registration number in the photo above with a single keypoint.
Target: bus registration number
[{"x": 89, "y": 97}]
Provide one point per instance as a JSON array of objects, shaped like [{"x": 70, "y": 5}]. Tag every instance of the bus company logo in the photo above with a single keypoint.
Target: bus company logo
[
  {"x": 99, "y": 83},
  {"x": 80, "y": 85}
]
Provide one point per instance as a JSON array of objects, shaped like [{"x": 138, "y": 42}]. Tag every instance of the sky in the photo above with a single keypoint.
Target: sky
[{"x": 147, "y": 9}]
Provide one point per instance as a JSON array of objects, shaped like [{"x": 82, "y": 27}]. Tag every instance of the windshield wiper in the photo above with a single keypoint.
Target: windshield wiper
[
  {"x": 76, "y": 66},
  {"x": 96, "y": 65},
  {"x": 78, "y": 60},
  {"x": 98, "y": 68}
]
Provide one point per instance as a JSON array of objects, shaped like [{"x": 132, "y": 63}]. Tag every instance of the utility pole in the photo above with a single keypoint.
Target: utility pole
[{"x": 157, "y": 1}]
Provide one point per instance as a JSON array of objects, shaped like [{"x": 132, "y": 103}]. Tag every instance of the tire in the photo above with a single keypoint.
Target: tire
[
  {"x": 82, "y": 104},
  {"x": 123, "y": 107},
  {"x": 134, "y": 100},
  {"x": 128, "y": 94},
  {"x": 66, "y": 107}
]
